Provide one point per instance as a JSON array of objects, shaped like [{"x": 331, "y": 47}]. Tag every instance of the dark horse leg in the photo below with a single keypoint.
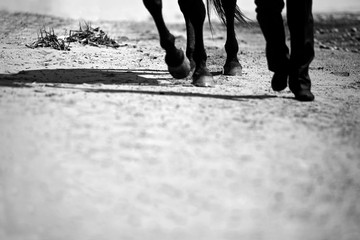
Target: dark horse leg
[
  {"x": 194, "y": 13},
  {"x": 190, "y": 46},
  {"x": 178, "y": 64},
  {"x": 232, "y": 66}
]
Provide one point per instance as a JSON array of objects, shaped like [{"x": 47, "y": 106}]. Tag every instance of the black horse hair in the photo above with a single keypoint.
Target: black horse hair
[{"x": 217, "y": 4}]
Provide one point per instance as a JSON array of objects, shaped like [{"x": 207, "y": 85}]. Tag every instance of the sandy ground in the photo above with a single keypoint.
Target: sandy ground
[{"x": 101, "y": 143}]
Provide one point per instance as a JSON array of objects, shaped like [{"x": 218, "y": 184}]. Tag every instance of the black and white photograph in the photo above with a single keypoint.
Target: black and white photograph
[{"x": 180, "y": 120}]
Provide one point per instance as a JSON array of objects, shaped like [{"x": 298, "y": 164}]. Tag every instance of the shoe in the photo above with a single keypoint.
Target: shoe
[
  {"x": 300, "y": 85},
  {"x": 279, "y": 81},
  {"x": 304, "y": 95}
]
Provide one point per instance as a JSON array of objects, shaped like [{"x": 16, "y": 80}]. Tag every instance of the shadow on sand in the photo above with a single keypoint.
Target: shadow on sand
[{"x": 61, "y": 78}]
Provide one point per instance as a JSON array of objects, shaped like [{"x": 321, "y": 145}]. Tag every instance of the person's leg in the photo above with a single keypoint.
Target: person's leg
[
  {"x": 301, "y": 26},
  {"x": 277, "y": 53}
]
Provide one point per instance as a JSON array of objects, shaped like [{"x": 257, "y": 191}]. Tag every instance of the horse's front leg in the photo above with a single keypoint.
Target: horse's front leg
[
  {"x": 232, "y": 66},
  {"x": 178, "y": 64},
  {"x": 194, "y": 13}
]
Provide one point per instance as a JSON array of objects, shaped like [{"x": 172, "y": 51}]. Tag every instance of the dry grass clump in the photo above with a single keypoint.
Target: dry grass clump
[
  {"x": 92, "y": 36},
  {"x": 49, "y": 39},
  {"x": 86, "y": 35}
]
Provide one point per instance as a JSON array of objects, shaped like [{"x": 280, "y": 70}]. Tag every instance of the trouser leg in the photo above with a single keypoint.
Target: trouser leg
[
  {"x": 271, "y": 23},
  {"x": 301, "y": 27}
]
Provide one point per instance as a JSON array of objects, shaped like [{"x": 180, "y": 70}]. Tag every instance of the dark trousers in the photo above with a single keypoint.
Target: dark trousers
[{"x": 301, "y": 28}]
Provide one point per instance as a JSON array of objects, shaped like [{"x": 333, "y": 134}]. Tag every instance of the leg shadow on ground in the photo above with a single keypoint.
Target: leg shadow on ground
[
  {"x": 72, "y": 78},
  {"x": 89, "y": 76}
]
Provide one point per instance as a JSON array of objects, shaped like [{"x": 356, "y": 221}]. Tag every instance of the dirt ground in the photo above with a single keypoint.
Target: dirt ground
[{"x": 101, "y": 143}]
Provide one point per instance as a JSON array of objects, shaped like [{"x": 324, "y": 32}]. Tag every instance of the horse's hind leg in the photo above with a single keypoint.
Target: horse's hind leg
[
  {"x": 190, "y": 46},
  {"x": 194, "y": 13},
  {"x": 178, "y": 64},
  {"x": 232, "y": 66}
]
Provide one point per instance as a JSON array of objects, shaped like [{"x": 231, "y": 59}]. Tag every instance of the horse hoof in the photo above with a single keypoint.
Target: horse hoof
[
  {"x": 204, "y": 81},
  {"x": 233, "y": 69},
  {"x": 181, "y": 71}
]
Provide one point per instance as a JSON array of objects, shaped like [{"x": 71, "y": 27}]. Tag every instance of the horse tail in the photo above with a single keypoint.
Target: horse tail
[{"x": 217, "y": 4}]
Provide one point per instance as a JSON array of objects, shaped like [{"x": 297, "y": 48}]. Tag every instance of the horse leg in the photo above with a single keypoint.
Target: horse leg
[
  {"x": 190, "y": 46},
  {"x": 232, "y": 66},
  {"x": 178, "y": 64},
  {"x": 194, "y": 11}
]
